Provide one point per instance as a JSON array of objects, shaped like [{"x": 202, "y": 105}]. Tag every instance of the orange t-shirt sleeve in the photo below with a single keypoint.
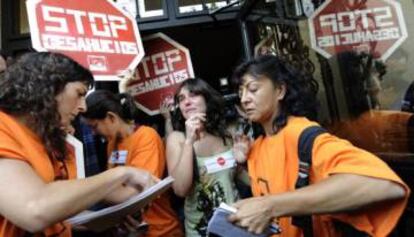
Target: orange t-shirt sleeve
[
  {"x": 148, "y": 152},
  {"x": 9, "y": 145},
  {"x": 332, "y": 155}
]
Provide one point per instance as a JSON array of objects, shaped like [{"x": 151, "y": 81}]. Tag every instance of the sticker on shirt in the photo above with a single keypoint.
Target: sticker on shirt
[
  {"x": 118, "y": 157},
  {"x": 219, "y": 163}
]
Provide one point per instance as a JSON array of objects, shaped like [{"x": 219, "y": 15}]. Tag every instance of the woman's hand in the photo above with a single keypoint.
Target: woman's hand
[
  {"x": 193, "y": 126},
  {"x": 166, "y": 106},
  {"x": 125, "y": 78},
  {"x": 137, "y": 181},
  {"x": 140, "y": 179},
  {"x": 254, "y": 214},
  {"x": 131, "y": 226},
  {"x": 241, "y": 147}
]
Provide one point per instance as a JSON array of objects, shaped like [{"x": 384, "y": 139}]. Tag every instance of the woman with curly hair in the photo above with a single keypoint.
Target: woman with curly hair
[
  {"x": 40, "y": 95},
  {"x": 199, "y": 154},
  {"x": 346, "y": 184}
]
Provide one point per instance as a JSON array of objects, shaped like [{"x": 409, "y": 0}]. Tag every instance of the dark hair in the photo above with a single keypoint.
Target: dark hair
[
  {"x": 29, "y": 88},
  {"x": 301, "y": 89},
  {"x": 215, "y": 121},
  {"x": 100, "y": 102}
]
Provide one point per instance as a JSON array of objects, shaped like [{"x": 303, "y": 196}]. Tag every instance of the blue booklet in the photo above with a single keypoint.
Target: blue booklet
[{"x": 219, "y": 225}]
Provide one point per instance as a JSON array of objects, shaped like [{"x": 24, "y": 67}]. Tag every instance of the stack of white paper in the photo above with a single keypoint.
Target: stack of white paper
[{"x": 110, "y": 216}]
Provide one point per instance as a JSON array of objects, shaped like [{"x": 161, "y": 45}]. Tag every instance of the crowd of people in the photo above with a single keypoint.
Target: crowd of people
[{"x": 43, "y": 97}]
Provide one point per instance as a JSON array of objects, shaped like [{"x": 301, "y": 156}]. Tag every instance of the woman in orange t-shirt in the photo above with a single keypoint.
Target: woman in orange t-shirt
[
  {"x": 347, "y": 184},
  {"x": 129, "y": 144},
  {"x": 40, "y": 95}
]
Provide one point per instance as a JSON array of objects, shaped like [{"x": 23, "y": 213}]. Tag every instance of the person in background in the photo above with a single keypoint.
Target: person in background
[
  {"x": 368, "y": 125},
  {"x": 131, "y": 144},
  {"x": 92, "y": 147},
  {"x": 41, "y": 94},
  {"x": 347, "y": 184},
  {"x": 199, "y": 154}
]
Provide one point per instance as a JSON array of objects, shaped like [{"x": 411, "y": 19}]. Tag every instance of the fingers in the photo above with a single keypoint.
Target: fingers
[
  {"x": 197, "y": 116},
  {"x": 254, "y": 225},
  {"x": 141, "y": 179},
  {"x": 132, "y": 223},
  {"x": 251, "y": 225},
  {"x": 125, "y": 78},
  {"x": 233, "y": 218},
  {"x": 260, "y": 227},
  {"x": 196, "y": 120},
  {"x": 257, "y": 227},
  {"x": 152, "y": 181},
  {"x": 241, "y": 146},
  {"x": 194, "y": 125},
  {"x": 129, "y": 227},
  {"x": 155, "y": 179},
  {"x": 166, "y": 106}
]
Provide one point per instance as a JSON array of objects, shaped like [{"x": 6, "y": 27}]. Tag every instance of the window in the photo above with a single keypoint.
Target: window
[
  {"x": 23, "y": 26},
  {"x": 129, "y": 6},
  {"x": 151, "y": 8},
  {"x": 187, "y": 6}
]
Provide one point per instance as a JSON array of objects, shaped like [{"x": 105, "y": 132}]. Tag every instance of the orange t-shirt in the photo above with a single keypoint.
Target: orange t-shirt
[
  {"x": 144, "y": 149},
  {"x": 273, "y": 168},
  {"x": 19, "y": 142}
]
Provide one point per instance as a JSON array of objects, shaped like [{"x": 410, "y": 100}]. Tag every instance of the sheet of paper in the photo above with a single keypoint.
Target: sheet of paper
[
  {"x": 110, "y": 216},
  {"x": 78, "y": 150}
]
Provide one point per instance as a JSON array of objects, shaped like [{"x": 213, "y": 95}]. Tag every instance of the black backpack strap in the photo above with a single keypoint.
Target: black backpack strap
[{"x": 305, "y": 145}]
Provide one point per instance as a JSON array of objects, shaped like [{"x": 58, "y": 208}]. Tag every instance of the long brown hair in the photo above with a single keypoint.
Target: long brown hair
[{"x": 29, "y": 88}]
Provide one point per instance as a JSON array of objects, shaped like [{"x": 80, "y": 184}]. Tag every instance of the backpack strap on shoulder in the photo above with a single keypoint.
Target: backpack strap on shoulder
[{"x": 305, "y": 145}]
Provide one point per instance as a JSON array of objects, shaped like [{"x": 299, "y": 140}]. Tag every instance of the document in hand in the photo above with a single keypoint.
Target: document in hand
[
  {"x": 113, "y": 215},
  {"x": 219, "y": 225},
  {"x": 77, "y": 148}
]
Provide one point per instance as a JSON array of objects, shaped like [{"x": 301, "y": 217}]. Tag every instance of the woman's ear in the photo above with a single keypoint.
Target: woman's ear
[
  {"x": 111, "y": 116},
  {"x": 281, "y": 91}
]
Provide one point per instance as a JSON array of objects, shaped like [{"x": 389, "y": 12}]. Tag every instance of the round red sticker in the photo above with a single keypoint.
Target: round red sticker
[{"x": 221, "y": 161}]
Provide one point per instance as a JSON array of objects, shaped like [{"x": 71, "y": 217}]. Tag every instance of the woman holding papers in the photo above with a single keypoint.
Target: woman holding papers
[
  {"x": 130, "y": 144},
  {"x": 40, "y": 94},
  {"x": 200, "y": 156},
  {"x": 348, "y": 189}
]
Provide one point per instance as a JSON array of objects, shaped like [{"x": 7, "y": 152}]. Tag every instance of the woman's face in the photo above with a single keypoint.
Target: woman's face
[
  {"x": 71, "y": 101},
  {"x": 260, "y": 98},
  {"x": 104, "y": 127},
  {"x": 190, "y": 103}
]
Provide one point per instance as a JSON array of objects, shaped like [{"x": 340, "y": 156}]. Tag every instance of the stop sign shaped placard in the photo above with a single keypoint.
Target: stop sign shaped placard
[
  {"x": 95, "y": 33},
  {"x": 166, "y": 64},
  {"x": 372, "y": 26}
]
